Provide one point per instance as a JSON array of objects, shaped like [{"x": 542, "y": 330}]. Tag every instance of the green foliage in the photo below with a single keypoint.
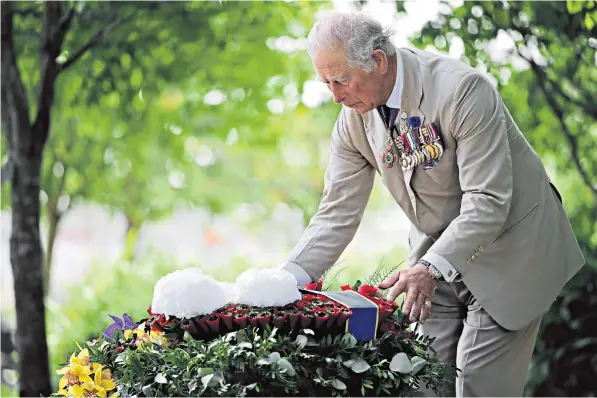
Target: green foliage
[
  {"x": 256, "y": 362},
  {"x": 131, "y": 124}
]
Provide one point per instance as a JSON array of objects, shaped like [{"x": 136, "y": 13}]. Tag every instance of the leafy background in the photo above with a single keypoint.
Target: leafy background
[{"x": 194, "y": 135}]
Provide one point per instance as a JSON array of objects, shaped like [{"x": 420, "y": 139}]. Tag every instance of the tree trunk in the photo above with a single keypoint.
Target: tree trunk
[
  {"x": 26, "y": 257},
  {"x": 26, "y": 142}
]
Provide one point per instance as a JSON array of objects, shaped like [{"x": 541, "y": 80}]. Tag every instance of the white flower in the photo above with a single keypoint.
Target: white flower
[
  {"x": 268, "y": 287},
  {"x": 187, "y": 293}
]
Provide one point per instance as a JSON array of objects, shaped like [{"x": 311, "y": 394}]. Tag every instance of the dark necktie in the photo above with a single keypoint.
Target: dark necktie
[{"x": 388, "y": 115}]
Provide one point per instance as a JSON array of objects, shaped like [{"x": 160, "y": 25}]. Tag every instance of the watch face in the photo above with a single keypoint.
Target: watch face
[{"x": 435, "y": 272}]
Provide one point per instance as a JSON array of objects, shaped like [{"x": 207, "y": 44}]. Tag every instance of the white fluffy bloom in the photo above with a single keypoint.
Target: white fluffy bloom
[
  {"x": 269, "y": 287},
  {"x": 187, "y": 293}
]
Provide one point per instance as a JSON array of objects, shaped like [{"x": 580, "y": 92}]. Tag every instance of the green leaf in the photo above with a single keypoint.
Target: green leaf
[
  {"x": 160, "y": 378},
  {"x": 301, "y": 341},
  {"x": 274, "y": 357},
  {"x": 401, "y": 364},
  {"x": 348, "y": 340},
  {"x": 360, "y": 366},
  {"x": 284, "y": 364},
  {"x": 418, "y": 364},
  {"x": 338, "y": 384},
  {"x": 208, "y": 381},
  {"x": 147, "y": 390},
  {"x": 574, "y": 6},
  {"x": 589, "y": 22}
]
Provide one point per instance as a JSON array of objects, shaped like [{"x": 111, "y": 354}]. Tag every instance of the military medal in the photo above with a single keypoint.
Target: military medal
[
  {"x": 415, "y": 144},
  {"x": 389, "y": 156}
]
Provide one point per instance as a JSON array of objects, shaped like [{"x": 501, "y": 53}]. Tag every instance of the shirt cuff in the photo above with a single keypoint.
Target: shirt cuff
[
  {"x": 448, "y": 271},
  {"x": 301, "y": 276}
]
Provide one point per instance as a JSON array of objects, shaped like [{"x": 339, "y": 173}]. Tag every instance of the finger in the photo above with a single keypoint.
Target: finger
[
  {"x": 390, "y": 280},
  {"x": 397, "y": 290},
  {"x": 411, "y": 298},
  {"x": 425, "y": 312},
  {"x": 415, "y": 312},
  {"x": 428, "y": 290}
]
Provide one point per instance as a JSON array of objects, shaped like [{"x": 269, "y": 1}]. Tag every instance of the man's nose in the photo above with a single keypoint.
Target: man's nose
[{"x": 337, "y": 93}]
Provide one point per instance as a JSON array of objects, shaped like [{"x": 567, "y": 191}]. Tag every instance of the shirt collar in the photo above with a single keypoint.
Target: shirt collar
[{"x": 395, "y": 100}]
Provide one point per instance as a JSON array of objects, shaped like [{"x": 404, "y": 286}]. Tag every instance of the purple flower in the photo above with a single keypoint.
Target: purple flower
[
  {"x": 123, "y": 324},
  {"x": 414, "y": 121}
]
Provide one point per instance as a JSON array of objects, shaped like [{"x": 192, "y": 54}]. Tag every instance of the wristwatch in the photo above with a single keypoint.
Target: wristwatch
[{"x": 435, "y": 273}]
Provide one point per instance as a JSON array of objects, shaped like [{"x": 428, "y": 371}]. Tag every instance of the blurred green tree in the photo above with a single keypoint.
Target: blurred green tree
[
  {"x": 548, "y": 79},
  {"x": 143, "y": 80}
]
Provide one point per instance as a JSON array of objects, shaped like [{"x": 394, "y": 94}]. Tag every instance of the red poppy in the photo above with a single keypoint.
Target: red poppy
[
  {"x": 317, "y": 286},
  {"x": 367, "y": 290}
]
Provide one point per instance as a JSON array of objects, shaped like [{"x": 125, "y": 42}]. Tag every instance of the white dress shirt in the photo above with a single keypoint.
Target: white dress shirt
[{"x": 447, "y": 270}]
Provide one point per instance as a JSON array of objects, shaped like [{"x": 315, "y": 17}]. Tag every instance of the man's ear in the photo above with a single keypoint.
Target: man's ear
[{"x": 381, "y": 60}]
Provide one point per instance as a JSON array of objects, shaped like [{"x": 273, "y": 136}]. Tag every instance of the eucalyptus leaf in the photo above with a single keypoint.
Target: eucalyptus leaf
[
  {"x": 274, "y": 357},
  {"x": 160, "y": 378},
  {"x": 349, "y": 340},
  {"x": 208, "y": 381},
  {"x": 401, "y": 364},
  {"x": 284, "y": 364},
  {"x": 360, "y": 366},
  {"x": 147, "y": 390},
  {"x": 418, "y": 364},
  {"x": 301, "y": 340},
  {"x": 338, "y": 384}
]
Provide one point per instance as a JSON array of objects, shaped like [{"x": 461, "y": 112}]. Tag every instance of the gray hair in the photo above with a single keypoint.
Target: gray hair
[{"x": 358, "y": 33}]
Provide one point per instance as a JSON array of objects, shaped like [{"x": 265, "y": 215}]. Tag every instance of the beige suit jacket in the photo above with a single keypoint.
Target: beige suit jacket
[{"x": 488, "y": 207}]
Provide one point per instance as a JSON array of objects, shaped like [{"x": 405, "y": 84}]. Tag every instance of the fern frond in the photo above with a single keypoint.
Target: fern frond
[{"x": 329, "y": 282}]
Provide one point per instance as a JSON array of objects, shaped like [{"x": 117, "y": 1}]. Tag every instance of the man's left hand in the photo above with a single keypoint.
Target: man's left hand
[{"x": 419, "y": 286}]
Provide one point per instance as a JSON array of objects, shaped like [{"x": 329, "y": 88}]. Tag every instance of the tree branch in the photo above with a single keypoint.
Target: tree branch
[
  {"x": 15, "y": 105},
  {"x": 572, "y": 140},
  {"x": 55, "y": 27},
  {"x": 584, "y": 105},
  {"x": 95, "y": 39}
]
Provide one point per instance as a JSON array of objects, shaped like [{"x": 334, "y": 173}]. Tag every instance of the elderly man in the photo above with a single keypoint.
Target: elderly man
[{"x": 490, "y": 246}]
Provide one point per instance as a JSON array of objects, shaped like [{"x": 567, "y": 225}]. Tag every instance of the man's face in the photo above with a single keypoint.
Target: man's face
[{"x": 350, "y": 86}]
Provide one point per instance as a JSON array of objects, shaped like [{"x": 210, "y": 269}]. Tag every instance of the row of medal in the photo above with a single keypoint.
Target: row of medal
[{"x": 416, "y": 145}]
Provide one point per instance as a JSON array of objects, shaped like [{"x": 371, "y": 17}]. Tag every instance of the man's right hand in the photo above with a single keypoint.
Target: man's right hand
[{"x": 419, "y": 286}]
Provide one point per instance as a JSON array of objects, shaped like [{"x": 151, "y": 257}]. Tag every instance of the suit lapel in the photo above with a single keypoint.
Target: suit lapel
[{"x": 412, "y": 96}]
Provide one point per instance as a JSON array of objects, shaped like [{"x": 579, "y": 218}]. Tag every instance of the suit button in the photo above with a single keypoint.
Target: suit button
[
  {"x": 473, "y": 257},
  {"x": 481, "y": 249},
  {"x": 468, "y": 261}
]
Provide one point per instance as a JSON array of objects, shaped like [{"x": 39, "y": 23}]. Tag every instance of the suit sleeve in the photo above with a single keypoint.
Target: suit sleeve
[
  {"x": 485, "y": 172},
  {"x": 348, "y": 182}
]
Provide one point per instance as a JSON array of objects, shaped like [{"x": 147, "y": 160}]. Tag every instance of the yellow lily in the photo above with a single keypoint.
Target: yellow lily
[
  {"x": 74, "y": 374},
  {"x": 103, "y": 378},
  {"x": 81, "y": 359},
  {"x": 142, "y": 336},
  {"x": 88, "y": 390}
]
